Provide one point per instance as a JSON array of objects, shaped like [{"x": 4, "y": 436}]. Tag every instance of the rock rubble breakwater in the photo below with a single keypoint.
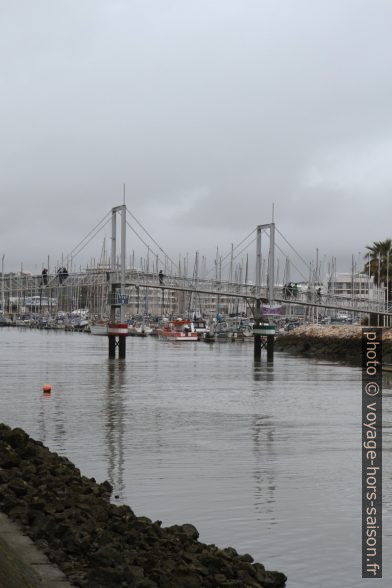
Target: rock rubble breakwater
[
  {"x": 337, "y": 343},
  {"x": 98, "y": 544}
]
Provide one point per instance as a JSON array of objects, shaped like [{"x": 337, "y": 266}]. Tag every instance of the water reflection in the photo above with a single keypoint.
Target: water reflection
[
  {"x": 264, "y": 472},
  {"x": 263, "y": 371},
  {"x": 50, "y": 419},
  {"x": 59, "y": 434},
  {"x": 45, "y": 399},
  {"x": 159, "y": 425},
  {"x": 114, "y": 424}
]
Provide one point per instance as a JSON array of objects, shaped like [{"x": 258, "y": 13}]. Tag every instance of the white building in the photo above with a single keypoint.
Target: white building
[{"x": 357, "y": 286}]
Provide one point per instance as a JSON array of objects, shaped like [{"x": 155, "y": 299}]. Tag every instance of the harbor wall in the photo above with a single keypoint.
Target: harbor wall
[
  {"x": 338, "y": 343},
  {"x": 22, "y": 565},
  {"x": 98, "y": 544}
]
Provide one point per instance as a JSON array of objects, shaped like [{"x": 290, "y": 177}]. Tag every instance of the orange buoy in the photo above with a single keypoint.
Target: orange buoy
[{"x": 46, "y": 388}]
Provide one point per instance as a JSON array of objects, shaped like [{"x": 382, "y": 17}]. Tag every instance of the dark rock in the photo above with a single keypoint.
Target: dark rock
[
  {"x": 230, "y": 552},
  {"x": 246, "y": 557},
  {"x": 246, "y": 578},
  {"x": 101, "y": 545},
  {"x": 16, "y": 438},
  {"x": 188, "y": 580},
  {"x": 18, "y": 487},
  {"x": 5, "y": 476},
  {"x": 8, "y": 456},
  {"x": 146, "y": 583},
  {"x": 106, "y": 487},
  {"x": 215, "y": 564},
  {"x": 107, "y": 555},
  {"x": 190, "y": 531}
]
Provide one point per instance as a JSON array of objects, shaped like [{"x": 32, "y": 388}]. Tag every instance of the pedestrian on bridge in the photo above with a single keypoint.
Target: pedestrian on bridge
[
  {"x": 62, "y": 274},
  {"x": 161, "y": 276}
]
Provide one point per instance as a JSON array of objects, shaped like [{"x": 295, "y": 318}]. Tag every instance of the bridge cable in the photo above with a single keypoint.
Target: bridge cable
[
  {"x": 157, "y": 244},
  {"x": 151, "y": 237},
  {"x": 70, "y": 254},
  {"x": 240, "y": 252},
  {"x": 292, "y": 263},
  {"x": 234, "y": 248},
  {"x": 240, "y": 243},
  {"x": 143, "y": 241},
  {"x": 293, "y": 248}
]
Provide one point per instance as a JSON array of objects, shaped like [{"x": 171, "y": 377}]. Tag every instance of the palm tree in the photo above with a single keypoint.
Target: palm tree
[{"x": 379, "y": 259}]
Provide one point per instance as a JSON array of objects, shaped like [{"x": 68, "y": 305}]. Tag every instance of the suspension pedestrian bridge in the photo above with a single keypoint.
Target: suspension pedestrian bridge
[{"x": 114, "y": 283}]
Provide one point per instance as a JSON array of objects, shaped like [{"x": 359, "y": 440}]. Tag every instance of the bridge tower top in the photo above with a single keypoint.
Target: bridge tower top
[
  {"x": 271, "y": 260},
  {"x": 122, "y": 209}
]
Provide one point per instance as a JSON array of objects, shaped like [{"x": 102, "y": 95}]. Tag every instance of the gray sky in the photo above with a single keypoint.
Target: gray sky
[{"x": 207, "y": 110}]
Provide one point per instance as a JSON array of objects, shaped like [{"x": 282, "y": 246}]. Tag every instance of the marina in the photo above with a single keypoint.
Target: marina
[
  {"x": 196, "y": 295},
  {"x": 109, "y": 289}
]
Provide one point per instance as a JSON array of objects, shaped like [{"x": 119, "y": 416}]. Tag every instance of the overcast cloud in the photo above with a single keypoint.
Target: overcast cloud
[{"x": 207, "y": 110}]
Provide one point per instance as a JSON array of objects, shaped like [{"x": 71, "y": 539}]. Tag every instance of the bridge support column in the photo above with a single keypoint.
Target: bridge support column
[
  {"x": 257, "y": 346},
  {"x": 270, "y": 348},
  {"x": 112, "y": 346},
  {"x": 257, "y": 337},
  {"x": 119, "y": 331},
  {"x": 122, "y": 346}
]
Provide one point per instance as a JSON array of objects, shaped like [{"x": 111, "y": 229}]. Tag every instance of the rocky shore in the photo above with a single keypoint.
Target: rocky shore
[
  {"x": 335, "y": 342},
  {"x": 100, "y": 545}
]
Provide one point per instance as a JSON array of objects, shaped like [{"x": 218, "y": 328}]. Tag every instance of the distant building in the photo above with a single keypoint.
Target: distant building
[{"x": 358, "y": 286}]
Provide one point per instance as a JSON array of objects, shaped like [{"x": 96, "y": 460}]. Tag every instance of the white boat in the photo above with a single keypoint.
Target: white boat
[
  {"x": 20, "y": 322},
  {"x": 200, "y": 326},
  {"x": 246, "y": 330},
  {"x": 99, "y": 329},
  {"x": 139, "y": 330}
]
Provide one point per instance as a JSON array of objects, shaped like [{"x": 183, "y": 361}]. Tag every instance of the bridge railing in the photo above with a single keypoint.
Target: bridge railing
[
  {"x": 22, "y": 285},
  {"x": 333, "y": 300}
]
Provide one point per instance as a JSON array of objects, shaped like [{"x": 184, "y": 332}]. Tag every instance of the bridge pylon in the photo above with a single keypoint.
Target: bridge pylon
[
  {"x": 259, "y": 317},
  {"x": 118, "y": 329}
]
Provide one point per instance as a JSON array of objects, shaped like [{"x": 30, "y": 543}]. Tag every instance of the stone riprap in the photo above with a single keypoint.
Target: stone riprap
[
  {"x": 98, "y": 544},
  {"x": 335, "y": 342}
]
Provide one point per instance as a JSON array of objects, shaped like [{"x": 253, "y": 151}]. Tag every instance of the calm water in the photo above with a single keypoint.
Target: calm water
[{"x": 264, "y": 458}]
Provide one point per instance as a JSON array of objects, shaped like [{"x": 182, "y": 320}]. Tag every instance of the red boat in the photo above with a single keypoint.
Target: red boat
[{"x": 179, "y": 330}]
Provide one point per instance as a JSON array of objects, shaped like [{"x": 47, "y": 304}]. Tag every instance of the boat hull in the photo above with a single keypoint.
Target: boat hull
[
  {"x": 98, "y": 329},
  {"x": 179, "y": 330},
  {"x": 180, "y": 336}
]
